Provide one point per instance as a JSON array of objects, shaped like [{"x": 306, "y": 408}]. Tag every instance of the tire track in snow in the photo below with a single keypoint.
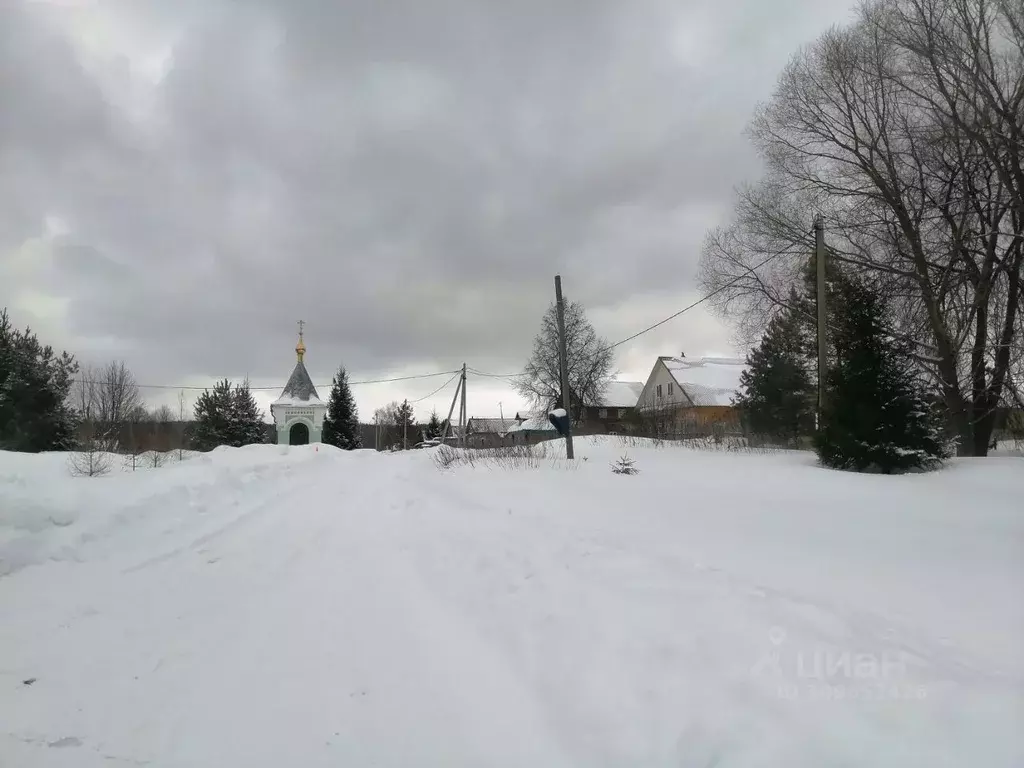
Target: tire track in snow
[{"x": 395, "y": 678}]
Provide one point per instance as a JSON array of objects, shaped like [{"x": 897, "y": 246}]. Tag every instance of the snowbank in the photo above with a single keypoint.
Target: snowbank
[
  {"x": 273, "y": 606},
  {"x": 48, "y": 513}
]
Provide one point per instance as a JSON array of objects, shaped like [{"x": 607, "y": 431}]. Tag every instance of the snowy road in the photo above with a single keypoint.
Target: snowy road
[{"x": 323, "y": 609}]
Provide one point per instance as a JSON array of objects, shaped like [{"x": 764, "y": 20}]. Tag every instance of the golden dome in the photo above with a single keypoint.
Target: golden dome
[{"x": 300, "y": 348}]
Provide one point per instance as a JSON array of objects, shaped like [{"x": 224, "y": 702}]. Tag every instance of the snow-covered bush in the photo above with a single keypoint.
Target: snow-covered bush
[{"x": 513, "y": 457}]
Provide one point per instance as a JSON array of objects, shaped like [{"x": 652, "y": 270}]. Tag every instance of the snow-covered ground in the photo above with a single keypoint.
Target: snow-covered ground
[{"x": 277, "y": 607}]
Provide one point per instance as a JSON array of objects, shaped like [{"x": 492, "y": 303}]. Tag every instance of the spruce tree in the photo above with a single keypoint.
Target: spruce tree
[
  {"x": 34, "y": 386},
  {"x": 405, "y": 423},
  {"x": 877, "y": 416},
  {"x": 434, "y": 426},
  {"x": 803, "y": 302},
  {"x": 341, "y": 425},
  {"x": 776, "y": 395},
  {"x": 247, "y": 426}
]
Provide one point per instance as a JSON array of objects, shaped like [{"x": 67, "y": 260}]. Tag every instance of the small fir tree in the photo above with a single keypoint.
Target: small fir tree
[
  {"x": 341, "y": 425},
  {"x": 776, "y": 395},
  {"x": 625, "y": 466},
  {"x": 877, "y": 416}
]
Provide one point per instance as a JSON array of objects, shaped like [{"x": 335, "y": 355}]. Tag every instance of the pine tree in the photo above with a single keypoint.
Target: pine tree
[
  {"x": 877, "y": 415},
  {"x": 434, "y": 426},
  {"x": 226, "y": 416},
  {"x": 341, "y": 425},
  {"x": 776, "y": 396},
  {"x": 212, "y": 416},
  {"x": 34, "y": 386}
]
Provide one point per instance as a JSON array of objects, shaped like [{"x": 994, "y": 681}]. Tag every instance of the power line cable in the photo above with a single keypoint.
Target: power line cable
[
  {"x": 649, "y": 328},
  {"x": 673, "y": 316},
  {"x": 699, "y": 301},
  {"x": 275, "y": 388},
  {"x": 443, "y": 386},
  {"x": 494, "y": 375}
]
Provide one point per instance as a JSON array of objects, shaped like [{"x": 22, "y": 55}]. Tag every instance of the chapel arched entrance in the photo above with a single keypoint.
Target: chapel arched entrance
[{"x": 298, "y": 434}]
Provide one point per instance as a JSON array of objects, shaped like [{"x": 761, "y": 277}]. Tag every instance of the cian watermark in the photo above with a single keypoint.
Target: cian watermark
[{"x": 829, "y": 674}]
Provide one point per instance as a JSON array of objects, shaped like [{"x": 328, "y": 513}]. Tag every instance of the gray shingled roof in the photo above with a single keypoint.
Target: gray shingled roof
[
  {"x": 299, "y": 386},
  {"x": 496, "y": 426}
]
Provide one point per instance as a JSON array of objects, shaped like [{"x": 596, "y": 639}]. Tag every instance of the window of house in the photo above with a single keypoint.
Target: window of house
[
  {"x": 670, "y": 389},
  {"x": 603, "y": 413},
  {"x": 659, "y": 391},
  {"x": 622, "y": 413}
]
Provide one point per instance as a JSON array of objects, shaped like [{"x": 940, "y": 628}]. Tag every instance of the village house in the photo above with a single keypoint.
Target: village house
[
  {"x": 531, "y": 428},
  {"x": 686, "y": 396},
  {"x": 488, "y": 433},
  {"x": 615, "y": 411}
]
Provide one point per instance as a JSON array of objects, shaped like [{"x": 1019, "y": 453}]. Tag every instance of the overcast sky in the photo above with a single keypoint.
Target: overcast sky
[{"x": 182, "y": 180}]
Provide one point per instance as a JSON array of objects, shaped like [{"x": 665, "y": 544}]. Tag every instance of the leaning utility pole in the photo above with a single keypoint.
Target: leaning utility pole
[
  {"x": 819, "y": 257},
  {"x": 451, "y": 410},
  {"x": 563, "y": 365},
  {"x": 462, "y": 409}
]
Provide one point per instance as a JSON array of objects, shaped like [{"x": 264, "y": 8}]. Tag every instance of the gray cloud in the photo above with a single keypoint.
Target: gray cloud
[{"x": 405, "y": 176}]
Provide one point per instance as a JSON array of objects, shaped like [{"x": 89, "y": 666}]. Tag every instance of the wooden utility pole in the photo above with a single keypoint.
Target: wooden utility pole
[
  {"x": 819, "y": 257},
  {"x": 563, "y": 365},
  {"x": 451, "y": 410},
  {"x": 462, "y": 409}
]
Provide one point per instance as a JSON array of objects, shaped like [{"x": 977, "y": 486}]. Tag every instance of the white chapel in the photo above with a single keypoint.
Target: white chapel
[{"x": 299, "y": 412}]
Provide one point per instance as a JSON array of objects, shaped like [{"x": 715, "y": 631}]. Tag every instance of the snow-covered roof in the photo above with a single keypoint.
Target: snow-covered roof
[
  {"x": 621, "y": 394},
  {"x": 706, "y": 380},
  {"x": 498, "y": 426},
  {"x": 300, "y": 389},
  {"x": 539, "y": 423}
]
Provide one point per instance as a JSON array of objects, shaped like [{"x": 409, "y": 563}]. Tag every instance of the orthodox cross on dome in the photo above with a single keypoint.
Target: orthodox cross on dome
[{"x": 300, "y": 348}]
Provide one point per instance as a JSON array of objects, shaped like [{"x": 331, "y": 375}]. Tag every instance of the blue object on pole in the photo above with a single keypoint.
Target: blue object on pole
[{"x": 560, "y": 420}]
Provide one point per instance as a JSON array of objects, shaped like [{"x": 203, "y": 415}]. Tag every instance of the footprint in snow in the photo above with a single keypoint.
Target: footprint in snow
[{"x": 67, "y": 741}]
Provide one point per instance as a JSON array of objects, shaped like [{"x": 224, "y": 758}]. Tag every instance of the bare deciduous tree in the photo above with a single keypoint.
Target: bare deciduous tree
[
  {"x": 588, "y": 359},
  {"x": 163, "y": 415},
  {"x": 906, "y": 133},
  {"x": 387, "y": 420},
  {"x": 108, "y": 397}
]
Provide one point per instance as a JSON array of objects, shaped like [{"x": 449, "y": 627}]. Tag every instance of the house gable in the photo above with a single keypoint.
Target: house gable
[
  {"x": 707, "y": 381},
  {"x": 672, "y": 393}
]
